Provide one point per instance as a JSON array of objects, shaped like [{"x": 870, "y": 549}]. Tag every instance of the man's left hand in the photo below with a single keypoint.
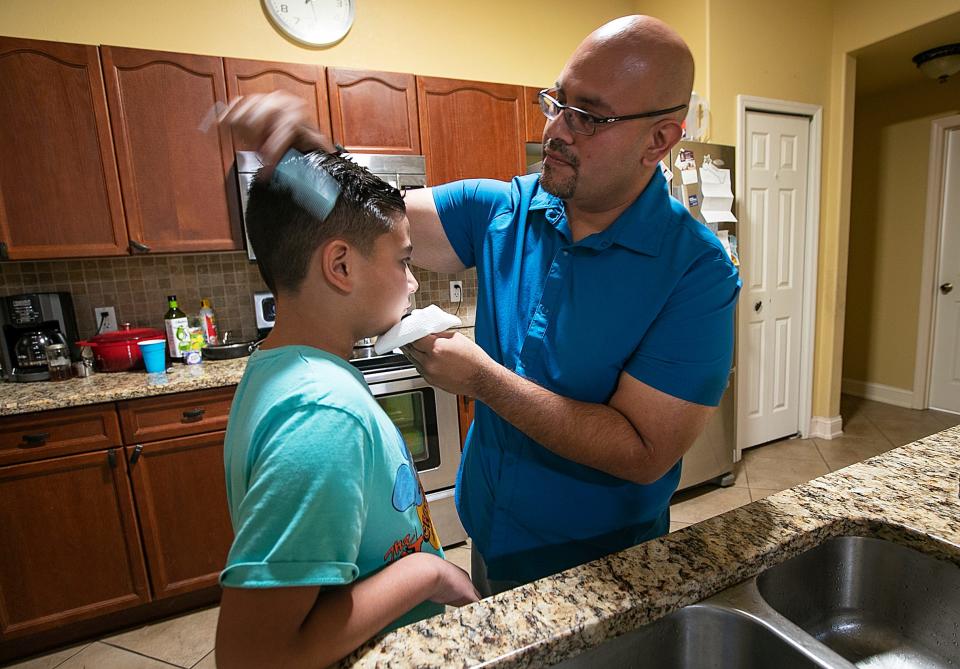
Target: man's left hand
[{"x": 451, "y": 361}]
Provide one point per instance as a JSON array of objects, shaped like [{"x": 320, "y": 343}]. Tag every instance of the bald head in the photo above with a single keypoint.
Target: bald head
[{"x": 645, "y": 52}]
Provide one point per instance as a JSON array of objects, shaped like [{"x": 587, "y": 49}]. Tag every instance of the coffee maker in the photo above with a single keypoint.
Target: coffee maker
[{"x": 30, "y": 323}]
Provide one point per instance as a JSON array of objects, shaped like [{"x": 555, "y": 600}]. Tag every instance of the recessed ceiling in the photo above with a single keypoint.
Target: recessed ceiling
[{"x": 888, "y": 64}]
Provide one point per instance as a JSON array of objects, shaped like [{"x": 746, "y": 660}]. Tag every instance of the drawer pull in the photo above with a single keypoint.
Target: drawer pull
[
  {"x": 34, "y": 440},
  {"x": 193, "y": 415}
]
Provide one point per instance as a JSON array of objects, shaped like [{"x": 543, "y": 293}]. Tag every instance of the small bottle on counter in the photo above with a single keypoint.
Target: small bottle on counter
[
  {"x": 208, "y": 323},
  {"x": 178, "y": 329}
]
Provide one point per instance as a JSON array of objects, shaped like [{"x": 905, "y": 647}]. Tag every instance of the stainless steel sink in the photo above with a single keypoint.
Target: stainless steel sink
[
  {"x": 850, "y": 602},
  {"x": 698, "y": 637},
  {"x": 867, "y": 598}
]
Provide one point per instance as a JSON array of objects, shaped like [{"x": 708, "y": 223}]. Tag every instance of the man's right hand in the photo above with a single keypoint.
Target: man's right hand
[{"x": 274, "y": 122}]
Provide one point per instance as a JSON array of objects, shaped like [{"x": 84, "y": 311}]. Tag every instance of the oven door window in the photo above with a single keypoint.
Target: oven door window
[{"x": 415, "y": 415}]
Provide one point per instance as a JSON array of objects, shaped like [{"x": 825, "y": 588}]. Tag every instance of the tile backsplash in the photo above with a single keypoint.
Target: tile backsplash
[{"x": 137, "y": 287}]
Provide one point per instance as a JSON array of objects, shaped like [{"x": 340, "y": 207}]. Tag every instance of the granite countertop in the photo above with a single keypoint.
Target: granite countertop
[
  {"x": 19, "y": 398},
  {"x": 908, "y": 495}
]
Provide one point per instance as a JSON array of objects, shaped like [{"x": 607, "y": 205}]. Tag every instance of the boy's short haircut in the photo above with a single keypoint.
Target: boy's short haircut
[{"x": 284, "y": 235}]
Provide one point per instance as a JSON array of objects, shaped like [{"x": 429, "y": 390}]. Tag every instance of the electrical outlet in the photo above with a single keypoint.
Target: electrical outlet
[
  {"x": 106, "y": 323},
  {"x": 456, "y": 291}
]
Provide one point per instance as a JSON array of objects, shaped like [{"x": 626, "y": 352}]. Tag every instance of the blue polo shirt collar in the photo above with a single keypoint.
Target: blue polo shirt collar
[{"x": 639, "y": 228}]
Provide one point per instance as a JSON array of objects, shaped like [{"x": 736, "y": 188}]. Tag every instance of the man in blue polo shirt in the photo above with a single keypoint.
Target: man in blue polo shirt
[{"x": 605, "y": 313}]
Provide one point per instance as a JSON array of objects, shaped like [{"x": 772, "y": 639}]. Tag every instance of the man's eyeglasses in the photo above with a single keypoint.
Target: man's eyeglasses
[{"x": 583, "y": 122}]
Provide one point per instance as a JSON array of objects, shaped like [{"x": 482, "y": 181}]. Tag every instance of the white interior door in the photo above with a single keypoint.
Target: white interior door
[
  {"x": 771, "y": 302},
  {"x": 945, "y": 366}
]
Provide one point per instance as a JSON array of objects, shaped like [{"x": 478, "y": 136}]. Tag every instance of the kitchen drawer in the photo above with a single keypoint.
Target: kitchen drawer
[
  {"x": 178, "y": 415},
  {"x": 47, "y": 434}
]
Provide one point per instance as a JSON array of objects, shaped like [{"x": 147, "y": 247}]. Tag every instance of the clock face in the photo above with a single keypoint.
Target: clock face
[{"x": 313, "y": 22}]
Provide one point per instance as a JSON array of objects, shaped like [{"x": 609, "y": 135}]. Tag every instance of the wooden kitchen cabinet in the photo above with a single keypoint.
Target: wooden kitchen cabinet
[
  {"x": 465, "y": 411},
  {"x": 94, "y": 534},
  {"x": 59, "y": 188},
  {"x": 307, "y": 82},
  {"x": 181, "y": 500},
  {"x": 39, "y": 436},
  {"x": 70, "y": 548},
  {"x": 179, "y": 187},
  {"x": 374, "y": 112},
  {"x": 471, "y": 129},
  {"x": 534, "y": 120}
]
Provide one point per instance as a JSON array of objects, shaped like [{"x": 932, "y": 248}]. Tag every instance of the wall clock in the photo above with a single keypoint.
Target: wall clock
[{"x": 311, "y": 22}]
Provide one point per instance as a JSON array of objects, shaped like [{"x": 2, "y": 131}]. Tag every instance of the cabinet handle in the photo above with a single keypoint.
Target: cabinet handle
[
  {"x": 138, "y": 247},
  {"x": 112, "y": 458},
  {"x": 4, "y": 251},
  {"x": 34, "y": 440},
  {"x": 136, "y": 454},
  {"x": 193, "y": 415}
]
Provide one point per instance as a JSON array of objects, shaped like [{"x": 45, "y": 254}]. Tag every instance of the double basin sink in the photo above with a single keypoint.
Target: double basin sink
[{"x": 849, "y": 602}]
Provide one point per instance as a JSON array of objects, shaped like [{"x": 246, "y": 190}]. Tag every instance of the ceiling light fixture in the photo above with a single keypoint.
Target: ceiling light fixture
[{"x": 940, "y": 62}]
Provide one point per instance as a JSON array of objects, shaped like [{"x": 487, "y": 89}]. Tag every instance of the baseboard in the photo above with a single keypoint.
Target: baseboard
[
  {"x": 824, "y": 427},
  {"x": 878, "y": 392}
]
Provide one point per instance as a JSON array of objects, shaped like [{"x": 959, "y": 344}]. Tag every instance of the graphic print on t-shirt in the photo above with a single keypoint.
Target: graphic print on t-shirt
[{"x": 407, "y": 492}]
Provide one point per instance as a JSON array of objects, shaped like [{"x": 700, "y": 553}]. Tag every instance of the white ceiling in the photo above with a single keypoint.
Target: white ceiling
[{"x": 888, "y": 64}]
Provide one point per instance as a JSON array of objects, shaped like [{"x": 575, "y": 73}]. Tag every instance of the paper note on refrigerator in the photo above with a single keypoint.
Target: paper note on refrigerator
[{"x": 717, "y": 200}]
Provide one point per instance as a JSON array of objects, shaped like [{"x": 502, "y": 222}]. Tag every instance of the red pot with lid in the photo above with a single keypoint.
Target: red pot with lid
[{"x": 118, "y": 351}]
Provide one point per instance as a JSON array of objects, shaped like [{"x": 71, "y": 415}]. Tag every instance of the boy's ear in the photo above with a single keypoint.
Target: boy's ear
[{"x": 337, "y": 259}]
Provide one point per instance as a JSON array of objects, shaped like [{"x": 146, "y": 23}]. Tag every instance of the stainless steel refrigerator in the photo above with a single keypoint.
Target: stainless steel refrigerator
[{"x": 710, "y": 459}]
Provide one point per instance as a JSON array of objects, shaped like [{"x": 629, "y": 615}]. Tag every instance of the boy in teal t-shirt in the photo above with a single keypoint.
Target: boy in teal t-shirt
[{"x": 334, "y": 541}]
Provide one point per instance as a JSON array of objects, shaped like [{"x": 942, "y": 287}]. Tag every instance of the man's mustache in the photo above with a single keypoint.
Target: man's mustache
[{"x": 554, "y": 145}]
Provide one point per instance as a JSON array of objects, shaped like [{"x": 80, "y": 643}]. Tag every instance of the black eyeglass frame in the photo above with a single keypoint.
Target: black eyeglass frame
[{"x": 596, "y": 120}]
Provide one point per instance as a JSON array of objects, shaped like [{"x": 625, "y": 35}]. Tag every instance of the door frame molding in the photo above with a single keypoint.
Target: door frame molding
[
  {"x": 814, "y": 114},
  {"x": 930, "y": 265}
]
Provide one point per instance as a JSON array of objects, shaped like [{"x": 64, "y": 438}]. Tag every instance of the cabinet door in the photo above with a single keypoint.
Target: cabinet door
[
  {"x": 533, "y": 117},
  {"x": 374, "y": 112},
  {"x": 307, "y": 82},
  {"x": 182, "y": 506},
  {"x": 470, "y": 129},
  {"x": 59, "y": 192},
  {"x": 179, "y": 188},
  {"x": 465, "y": 411},
  {"x": 70, "y": 548}
]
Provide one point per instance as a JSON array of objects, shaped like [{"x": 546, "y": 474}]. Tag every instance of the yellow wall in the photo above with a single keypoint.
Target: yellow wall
[
  {"x": 498, "y": 40},
  {"x": 768, "y": 49},
  {"x": 887, "y": 216}
]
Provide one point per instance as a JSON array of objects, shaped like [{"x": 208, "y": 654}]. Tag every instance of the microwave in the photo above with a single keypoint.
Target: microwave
[{"x": 403, "y": 172}]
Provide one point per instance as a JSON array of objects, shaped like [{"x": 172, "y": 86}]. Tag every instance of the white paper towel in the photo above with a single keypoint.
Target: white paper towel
[{"x": 420, "y": 323}]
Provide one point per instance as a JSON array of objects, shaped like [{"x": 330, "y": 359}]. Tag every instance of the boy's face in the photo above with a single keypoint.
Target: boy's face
[{"x": 387, "y": 282}]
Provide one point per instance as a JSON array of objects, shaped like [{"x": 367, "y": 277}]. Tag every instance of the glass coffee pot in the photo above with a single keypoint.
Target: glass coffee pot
[{"x": 31, "y": 354}]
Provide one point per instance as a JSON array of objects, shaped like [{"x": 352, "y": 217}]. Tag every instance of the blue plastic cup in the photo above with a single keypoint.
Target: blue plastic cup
[{"x": 154, "y": 355}]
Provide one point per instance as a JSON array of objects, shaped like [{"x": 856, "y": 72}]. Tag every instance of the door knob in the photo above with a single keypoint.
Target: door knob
[
  {"x": 758, "y": 306},
  {"x": 946, "y": 288}
]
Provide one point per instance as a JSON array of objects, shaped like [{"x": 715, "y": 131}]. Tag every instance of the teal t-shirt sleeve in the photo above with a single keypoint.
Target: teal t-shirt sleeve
[
  {"x": 301, "y": 521},
  {"x": 688, "y": 350},
  {"x": 466, "y": 209}
]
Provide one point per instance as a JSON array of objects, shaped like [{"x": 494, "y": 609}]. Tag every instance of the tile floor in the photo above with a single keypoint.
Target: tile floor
[{"x": 869, "y": 428}]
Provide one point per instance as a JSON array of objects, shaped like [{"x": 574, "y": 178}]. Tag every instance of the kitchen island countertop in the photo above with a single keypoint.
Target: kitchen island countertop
[{"x": 908, "y": 495}]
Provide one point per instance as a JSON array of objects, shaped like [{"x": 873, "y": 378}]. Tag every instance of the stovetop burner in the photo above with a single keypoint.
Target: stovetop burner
[{"x": 379, "y": 363}]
